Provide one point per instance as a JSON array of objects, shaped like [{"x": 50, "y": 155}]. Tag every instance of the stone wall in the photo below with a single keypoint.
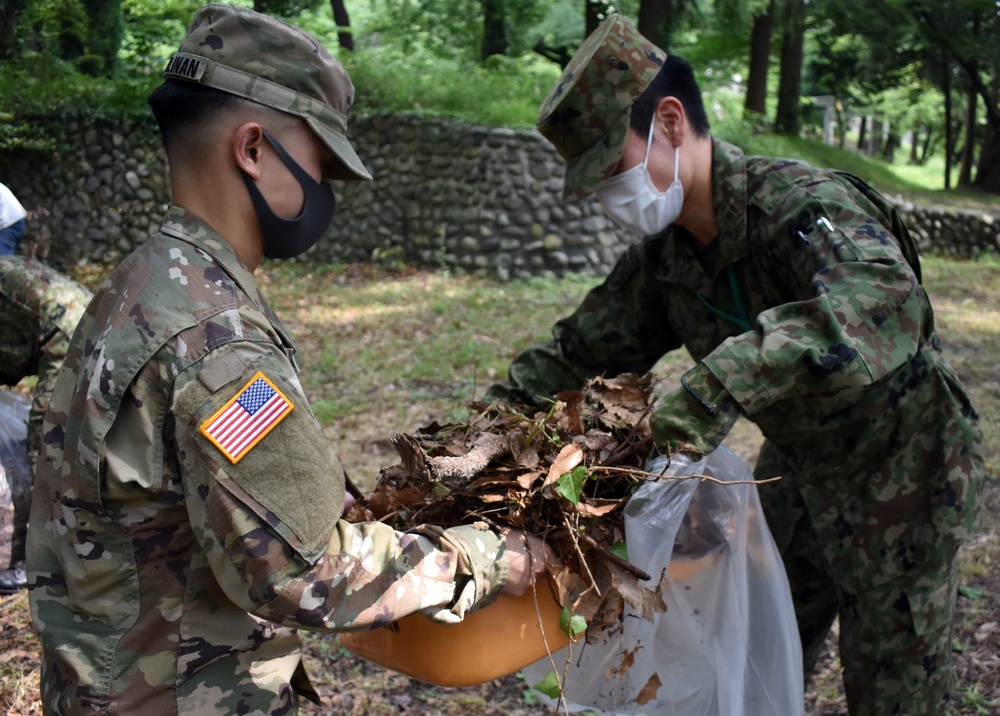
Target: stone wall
[
  {"x": 470, "y": 197},
  {"x": 947, "y": 232},
  {"x": 445, "y": 194},
  {"x": 96, "y": 196}
]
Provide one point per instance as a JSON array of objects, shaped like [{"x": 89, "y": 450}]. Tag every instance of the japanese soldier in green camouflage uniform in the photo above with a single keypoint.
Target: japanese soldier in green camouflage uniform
[
  {"x": 185, "y": 515},
  {"x": 797, "y": 292},
  {"x": 39, "y": 308}
]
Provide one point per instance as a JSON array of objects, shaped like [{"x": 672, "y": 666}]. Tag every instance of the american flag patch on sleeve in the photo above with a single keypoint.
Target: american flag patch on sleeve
[{"x": 247, "y": 418}]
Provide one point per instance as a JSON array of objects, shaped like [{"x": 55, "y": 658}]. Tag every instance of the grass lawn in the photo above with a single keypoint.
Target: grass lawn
[
  {"x": 388, "y": 352},
  {"x": 385, "y": 353}
]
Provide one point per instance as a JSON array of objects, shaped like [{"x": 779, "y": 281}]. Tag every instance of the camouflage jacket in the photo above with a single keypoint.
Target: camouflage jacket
[
  {"x": 39, "y": 309},
  {"x": 171, "y": 555},
  {"x": 809, "y": 314}
]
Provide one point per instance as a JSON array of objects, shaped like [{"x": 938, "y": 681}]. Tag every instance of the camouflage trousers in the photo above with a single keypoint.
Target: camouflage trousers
[
  {"x": 895, "y": 648},
  {"x": 895, "y": 659}
]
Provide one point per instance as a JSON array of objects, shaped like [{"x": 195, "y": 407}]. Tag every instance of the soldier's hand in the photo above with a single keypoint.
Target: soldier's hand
[{"x": 528, "y": 556}]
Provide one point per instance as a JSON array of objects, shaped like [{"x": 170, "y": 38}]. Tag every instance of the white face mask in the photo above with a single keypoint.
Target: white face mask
[{"x": 633, "y": 201}]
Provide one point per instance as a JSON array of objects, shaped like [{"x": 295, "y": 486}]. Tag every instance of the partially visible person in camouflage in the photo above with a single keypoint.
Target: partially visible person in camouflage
[
  {"x": 186, "y": 511},
  {"x": 797, "y": 292},
  {"x": 12, "y": 221},
  {"x": 39, "y": 308}
]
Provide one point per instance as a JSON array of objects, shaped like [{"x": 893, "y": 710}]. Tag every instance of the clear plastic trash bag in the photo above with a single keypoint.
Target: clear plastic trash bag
[
  {"x": 15, "y": 475},
  {"x": 728, "y": 644}
]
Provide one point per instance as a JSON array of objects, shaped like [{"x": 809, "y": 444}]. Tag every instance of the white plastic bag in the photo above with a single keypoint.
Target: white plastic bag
[
  {"x": 6, "y": 520},
  {"x": 15, "y": 475},
  {"x": 728, "y": 644}
]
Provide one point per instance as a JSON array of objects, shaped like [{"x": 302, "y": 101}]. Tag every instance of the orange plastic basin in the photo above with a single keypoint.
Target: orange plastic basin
[{"x": 492, "y": 642}]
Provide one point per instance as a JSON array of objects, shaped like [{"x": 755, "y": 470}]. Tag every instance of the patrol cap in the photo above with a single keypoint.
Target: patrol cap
[
  {"x": 260, "y": 58},
  {"x": 586, "y": 114}
]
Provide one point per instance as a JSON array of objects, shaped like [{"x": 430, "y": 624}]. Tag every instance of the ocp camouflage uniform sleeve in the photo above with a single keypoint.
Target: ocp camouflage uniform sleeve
[
  {"x": 269, "y": 524},
  {"x": 857, "y": 315},
  {"x": 620, "y": 327}
]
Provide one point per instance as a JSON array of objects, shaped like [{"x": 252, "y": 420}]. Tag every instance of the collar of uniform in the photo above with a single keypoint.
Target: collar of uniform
[
  {"x": 182, "y": 224},
  {"x": 190, "y": 228},
  {"x": 729, "y": 197}
]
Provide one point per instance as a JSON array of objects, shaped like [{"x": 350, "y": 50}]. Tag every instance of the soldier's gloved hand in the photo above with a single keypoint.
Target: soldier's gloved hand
[
  {"x": 697, "y": 417},
  {"x": 528, "y": 556}
]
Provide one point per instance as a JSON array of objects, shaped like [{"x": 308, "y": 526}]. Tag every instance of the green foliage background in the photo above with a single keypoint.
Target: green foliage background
[{"x": 423, "y": 57}]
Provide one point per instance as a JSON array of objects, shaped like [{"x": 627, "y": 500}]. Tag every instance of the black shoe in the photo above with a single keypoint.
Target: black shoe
[{"x": 13, "y": 579}]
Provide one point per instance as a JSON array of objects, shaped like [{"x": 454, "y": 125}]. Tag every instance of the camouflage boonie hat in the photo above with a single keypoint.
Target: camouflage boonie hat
[
  {"x": 586, "y": 115},
  {"x": 257, "y": 57}
]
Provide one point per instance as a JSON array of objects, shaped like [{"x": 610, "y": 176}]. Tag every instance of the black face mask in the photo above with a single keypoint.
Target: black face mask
[{"x": 285, "y": 238}]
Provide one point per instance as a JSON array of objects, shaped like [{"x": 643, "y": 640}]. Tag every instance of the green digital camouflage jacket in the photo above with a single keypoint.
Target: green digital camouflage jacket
[
  {"x": 185, "y": 516},
  {"x": 808, "y": 316},
  {"x": 39, "y": 308}
]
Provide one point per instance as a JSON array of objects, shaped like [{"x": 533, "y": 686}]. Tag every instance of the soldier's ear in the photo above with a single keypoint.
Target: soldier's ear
[
  {"x": 246, "y": 148},
  {"x": 670, "y": 113}
]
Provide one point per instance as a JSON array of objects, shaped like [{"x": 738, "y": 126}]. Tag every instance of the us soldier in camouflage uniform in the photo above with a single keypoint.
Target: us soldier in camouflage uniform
[
  {"x": 39, "y": 308},
  {"x": 797, "y": 292},
  {"x": 185, "y": 516}
]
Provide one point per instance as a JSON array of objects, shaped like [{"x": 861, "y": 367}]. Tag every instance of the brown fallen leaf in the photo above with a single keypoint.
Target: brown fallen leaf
[
  {"x": 628, "y": 659},
  {"x": 567, "y": 459},
  {"x": 649, "y": 691}
]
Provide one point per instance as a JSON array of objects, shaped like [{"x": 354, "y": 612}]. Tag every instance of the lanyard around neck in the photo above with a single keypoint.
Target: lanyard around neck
[{"x": 743, "y": 321}]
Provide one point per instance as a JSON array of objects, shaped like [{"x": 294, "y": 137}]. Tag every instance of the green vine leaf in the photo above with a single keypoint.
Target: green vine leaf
[
  {"x": 572, "y": 625},
  {"x": 549, "y": 685},
  {"x": 570, "y": 484},
  {"x": 620, "y": 549}
]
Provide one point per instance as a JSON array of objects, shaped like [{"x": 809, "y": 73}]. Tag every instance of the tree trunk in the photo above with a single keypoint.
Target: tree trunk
[
  {"x": 838, "y": 108},
  {"x": 891, "y": 142},
  {"x": 988, "y": 171},
  {"x": 949, "y": 140},
  {"x": 914, "y": 142},
  {"x": 760, "y": 60},
  {"x": 494, "y": 30},
  {"x": 9, "y": 10},
  {"x": 345, "y": 38},
  {"x": 863, "y": 136},
  {"x": 594, "y": 13},
  {"x": 877, "y": 137},
  {"x": 925, "y": 150},
  {"x": 104, "y": 37},
  {"x": 654, "y": 16},
  {"x": 787, "y": 117},
  {"x": 969, "y": 150}
]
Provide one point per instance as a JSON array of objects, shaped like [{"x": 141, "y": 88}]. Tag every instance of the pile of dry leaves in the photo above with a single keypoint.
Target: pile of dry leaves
[{"x": 564, "y": 474}]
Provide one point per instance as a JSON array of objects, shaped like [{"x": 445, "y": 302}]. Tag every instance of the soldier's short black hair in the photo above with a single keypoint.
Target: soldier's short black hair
[
  {"x": 675, "y": 79},
  {"x": 180, "y": 107}
]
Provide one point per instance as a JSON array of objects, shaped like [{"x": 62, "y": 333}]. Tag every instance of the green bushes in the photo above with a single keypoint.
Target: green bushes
[{"x": 503, "y": 92}]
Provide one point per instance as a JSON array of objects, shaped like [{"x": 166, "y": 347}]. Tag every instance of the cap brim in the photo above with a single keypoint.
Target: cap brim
[
  {"x": 353, "y": 168},
  {"x": 586, "y": 171}
]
